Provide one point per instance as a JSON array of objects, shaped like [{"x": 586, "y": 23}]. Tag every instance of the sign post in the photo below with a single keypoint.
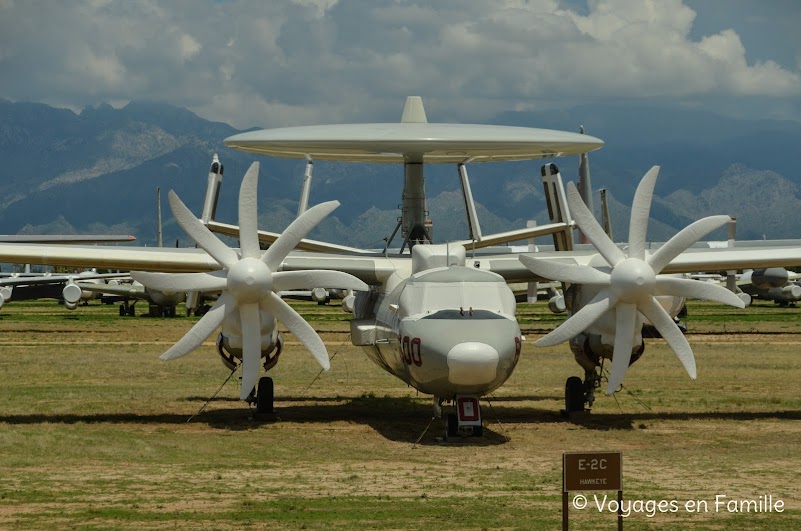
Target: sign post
[{"x": 592, "y": 471}]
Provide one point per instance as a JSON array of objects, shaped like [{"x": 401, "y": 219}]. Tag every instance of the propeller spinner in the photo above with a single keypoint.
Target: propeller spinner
[
  {"x": 630, "y": 286},
  {"x": 249, "y": 280}
]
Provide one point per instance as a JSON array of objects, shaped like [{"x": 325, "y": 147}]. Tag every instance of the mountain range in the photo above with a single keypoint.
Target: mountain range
[{"x": 98, "y": 171}]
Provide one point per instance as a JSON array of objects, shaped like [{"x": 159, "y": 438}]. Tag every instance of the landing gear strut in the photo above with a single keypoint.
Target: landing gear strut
[
  {"x": 128, "y": 309},
  {"x": 466, "y": 421}
]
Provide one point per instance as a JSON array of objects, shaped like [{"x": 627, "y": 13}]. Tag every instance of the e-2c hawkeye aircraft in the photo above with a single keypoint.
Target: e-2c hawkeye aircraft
[{"x": 427, "y": 313}]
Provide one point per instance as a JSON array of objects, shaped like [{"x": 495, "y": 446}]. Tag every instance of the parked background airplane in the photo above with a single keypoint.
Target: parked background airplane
[
  {"x": 28, "y": 286},
  {"x": 775, "y": 284}
]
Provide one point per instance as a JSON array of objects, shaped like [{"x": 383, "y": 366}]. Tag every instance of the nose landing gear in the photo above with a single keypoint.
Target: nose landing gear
[{"x": 466, "y": 421}]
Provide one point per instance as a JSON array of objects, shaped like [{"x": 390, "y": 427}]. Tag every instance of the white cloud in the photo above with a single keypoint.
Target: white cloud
[{"x": 310, "y": 61}]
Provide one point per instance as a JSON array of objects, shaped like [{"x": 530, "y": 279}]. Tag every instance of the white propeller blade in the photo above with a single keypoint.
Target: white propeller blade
[
  {"x": 299, "y": 328},
  {"x": 248, "y": 214},
  {"x": 202, "y": 329},
  {"x": 181, "y": 282},
  {"x": 296, "y": 231},
  {"x": 640, "y": 213},
  {"x": 289, "y": 280},
  {"x": 654, "y": 312},
  {"x": 200, "y": 233},
  {"x": 684, "y": 239},
  {"x": 251, "y": 347},
  {"x": 565, "y": 272},
  {"x": 579, "y": 321},
  {"x": 625, "y": 328},
  {"x": 590, "y": 227},
  {"x": 696, "y": 289}
]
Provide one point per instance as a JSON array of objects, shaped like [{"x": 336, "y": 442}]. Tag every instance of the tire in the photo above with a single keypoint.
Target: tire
[
  {"x": 574, "y": 394},
  {"x": 122, "y": 310},
  {"x": 265, "y": 396},
  {"x": 451, "y": 425}
]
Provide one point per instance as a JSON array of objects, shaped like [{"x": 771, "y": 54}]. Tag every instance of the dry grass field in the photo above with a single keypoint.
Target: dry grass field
[{"x": 94, "y": 432}]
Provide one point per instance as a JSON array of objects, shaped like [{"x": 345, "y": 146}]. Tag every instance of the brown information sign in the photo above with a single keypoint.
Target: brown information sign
[{"x": 592, "y": 471}]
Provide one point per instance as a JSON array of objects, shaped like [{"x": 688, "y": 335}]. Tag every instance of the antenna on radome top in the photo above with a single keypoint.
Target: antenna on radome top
[{"x": 413, "y": 111}]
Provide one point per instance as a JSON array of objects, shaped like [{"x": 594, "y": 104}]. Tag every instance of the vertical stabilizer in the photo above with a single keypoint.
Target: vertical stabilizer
[
  {"x": 159, "y": 240},
  {"x": 556, "y": 200},
  {"x": 584, "y": 185},
  {"x": 212, "y": 190},
  {"x": 413, "y": 111},
  {"x": 606, "y": 221}
]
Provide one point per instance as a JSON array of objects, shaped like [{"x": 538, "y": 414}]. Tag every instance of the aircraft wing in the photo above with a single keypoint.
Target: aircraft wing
[
  {"x": 132, "y": 291},
  {"x": 56, "y": 278},
  {"x": 690, "y": 261},
  {"x": 377, "y": 269},
  {"x": 370, "y": 269},
  {"x": 66, "y": 238},
  {"x": 124, "y": 258}
]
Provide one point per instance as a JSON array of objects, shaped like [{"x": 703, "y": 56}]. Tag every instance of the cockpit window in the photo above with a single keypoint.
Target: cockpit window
[
  {"x": 465, "y": 313},
  {"x": 423, "y": 297}
]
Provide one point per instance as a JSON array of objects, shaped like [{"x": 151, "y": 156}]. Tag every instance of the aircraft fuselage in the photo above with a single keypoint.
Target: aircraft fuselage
[{"x": 445, "y": 331}]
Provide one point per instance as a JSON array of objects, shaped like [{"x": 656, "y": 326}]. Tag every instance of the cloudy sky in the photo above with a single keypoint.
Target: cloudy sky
[{"x": 266, "y": 64}]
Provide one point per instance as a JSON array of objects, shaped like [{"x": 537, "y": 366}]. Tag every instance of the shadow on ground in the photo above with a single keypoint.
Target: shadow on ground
[{"x": 403, "y": 419}]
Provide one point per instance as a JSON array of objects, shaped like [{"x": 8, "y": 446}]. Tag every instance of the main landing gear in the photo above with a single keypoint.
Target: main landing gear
[
  {"x": 126, "y": 308},
  {"x": 466, "y": 421},
  {"x": 579, "y": 394}
]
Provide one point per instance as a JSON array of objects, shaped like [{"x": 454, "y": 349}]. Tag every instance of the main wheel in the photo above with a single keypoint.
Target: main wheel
[
  {"x": 265, "y": 395},
  {"x": 122, "y": 310},
  {"x": 574, "y": 394}
]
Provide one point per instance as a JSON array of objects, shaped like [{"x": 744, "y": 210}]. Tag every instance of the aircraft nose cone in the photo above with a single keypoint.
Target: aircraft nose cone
[{"x": 472, "y": 363}]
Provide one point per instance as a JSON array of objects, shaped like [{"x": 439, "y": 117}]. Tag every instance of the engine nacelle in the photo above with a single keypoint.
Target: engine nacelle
[
  {"x": 319, "y": 295},
  {"x": 745, "y": 297},
  {"x": 6, "y": 292},
  {"x": 792, "y": 292},
  {"x": 772, "y": 277},
  {"x": 72, "y": 295},
  {"x": 590, "y": 349},
  {"x": 557, "y": 304},
  {"x": 229, "y": 357},
  {"x": 348, "y": 303}
]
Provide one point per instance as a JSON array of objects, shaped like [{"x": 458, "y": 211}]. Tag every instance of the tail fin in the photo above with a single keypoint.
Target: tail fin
[
  {"x": 558, "y": 211},
  {"x": 193, "y": 298},
  {"x": 584, "y": 185},
  {"x": 212, "y": 190}
]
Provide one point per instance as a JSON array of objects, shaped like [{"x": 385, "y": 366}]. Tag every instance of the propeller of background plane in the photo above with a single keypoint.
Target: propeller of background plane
[
  {"x": 630, "y": 287},
  {"x": 249, "y": 280}
]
